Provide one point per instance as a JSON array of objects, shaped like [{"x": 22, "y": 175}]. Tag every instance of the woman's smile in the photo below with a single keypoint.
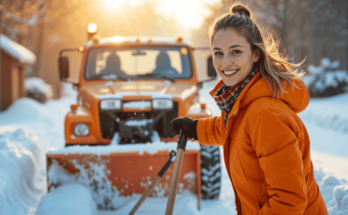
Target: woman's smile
[{"x": 230, "y": 72}]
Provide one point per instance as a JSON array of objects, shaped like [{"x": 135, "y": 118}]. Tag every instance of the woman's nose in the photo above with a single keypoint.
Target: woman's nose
[{"x": 226, "y": 61}]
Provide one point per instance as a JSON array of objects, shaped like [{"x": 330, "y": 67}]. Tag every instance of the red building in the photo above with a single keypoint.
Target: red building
[{"x": 14, "y": 59}]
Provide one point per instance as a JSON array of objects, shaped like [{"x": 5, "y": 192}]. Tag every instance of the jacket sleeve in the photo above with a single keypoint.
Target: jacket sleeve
[
  {"x": 209, "y": 131},
  {"x": 273, "y": 136}
]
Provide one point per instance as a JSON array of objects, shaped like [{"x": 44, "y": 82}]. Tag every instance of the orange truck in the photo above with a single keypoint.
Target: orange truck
[{"x": 117, "y": 135}]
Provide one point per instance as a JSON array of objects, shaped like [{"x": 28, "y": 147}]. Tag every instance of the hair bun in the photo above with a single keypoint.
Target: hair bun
[{"x": 241, "y": 10}]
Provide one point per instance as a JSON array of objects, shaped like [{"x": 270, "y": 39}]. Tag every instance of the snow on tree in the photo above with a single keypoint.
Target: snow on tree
[{"x": 327, "y": 79}]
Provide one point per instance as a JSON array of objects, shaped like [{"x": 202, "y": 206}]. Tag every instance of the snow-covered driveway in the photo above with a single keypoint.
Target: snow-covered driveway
[{"x": 325, "y": 119}]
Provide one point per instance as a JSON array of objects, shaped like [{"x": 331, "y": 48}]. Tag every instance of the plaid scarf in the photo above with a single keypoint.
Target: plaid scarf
[{"x": 226, "y": 96}]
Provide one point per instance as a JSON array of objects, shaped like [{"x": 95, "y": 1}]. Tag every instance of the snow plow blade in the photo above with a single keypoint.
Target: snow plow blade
[{"x": 113, "y": 173}]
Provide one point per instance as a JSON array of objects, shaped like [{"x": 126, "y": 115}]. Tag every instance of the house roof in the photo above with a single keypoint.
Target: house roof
[{"x": 17, "y": 51}]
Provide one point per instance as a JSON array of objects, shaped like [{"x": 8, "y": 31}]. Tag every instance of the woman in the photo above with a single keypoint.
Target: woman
[{"x": 266, "y": 145}]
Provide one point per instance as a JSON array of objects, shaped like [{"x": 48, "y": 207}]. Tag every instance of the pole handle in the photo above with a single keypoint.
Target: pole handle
[{"x": 176, "y": 173}]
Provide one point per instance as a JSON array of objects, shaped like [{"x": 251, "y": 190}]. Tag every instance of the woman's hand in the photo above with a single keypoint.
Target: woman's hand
[{"x": 188, "y": 126}]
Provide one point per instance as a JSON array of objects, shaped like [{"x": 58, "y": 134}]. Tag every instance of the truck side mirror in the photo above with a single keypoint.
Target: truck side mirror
[
  {"x": 63, "y": 64},
  {"x": 211, "y": 70}
]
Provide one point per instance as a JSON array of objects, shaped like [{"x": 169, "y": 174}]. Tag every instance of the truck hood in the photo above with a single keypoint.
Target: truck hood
[{"x": 140, "y": 88}]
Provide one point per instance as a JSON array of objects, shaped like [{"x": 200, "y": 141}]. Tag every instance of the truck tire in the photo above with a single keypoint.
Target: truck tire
[{"x": 210, "y": 172}]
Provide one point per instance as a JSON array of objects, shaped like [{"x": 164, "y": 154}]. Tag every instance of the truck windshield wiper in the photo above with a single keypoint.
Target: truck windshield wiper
[{"x": 158, "y": 75}]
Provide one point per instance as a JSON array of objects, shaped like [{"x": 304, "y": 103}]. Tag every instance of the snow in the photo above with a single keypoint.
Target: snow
[
  {"x": 160, "y": 96},
  {"x": 38, "y": 85},
  {"x": 17, "y": 51},
  {"x": 188, "y": 92},
  {"x": 341, "y": 198},
  {"x": 150, "y": 148},
  {"x": 196, "y": 109},
  {"x": 59, "y": 201},
  {"x": 106, "y": 192},
  {"x": 329, "y": 116},
  {"x": 119, "y": 95},
  {"x": 141, "y": 122},
  {"x": 46, "y": 120},
  {"x": 20, "y": 183},
  {"x": 28, "y": 129},
  {"x": 326, "y": 76},
  {"x": 68, "y": 90},
  {"x": 331, "y": 80},
  {"x": 137, "y": 105}
]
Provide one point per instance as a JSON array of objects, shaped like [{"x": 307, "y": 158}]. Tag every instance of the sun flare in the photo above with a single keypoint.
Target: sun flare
[
  {"x": 113, "y": 3},
  {"x": 188, "y": 13}
]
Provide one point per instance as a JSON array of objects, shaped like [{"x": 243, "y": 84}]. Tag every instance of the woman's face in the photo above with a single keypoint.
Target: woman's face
[{"x": 232, "y": 56}]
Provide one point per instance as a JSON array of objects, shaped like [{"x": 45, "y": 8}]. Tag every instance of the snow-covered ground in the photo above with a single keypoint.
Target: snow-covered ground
[{"x": 28, "y": 128}]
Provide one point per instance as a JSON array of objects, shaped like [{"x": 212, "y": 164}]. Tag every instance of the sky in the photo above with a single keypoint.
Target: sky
[{"x": 188, "y": 13}]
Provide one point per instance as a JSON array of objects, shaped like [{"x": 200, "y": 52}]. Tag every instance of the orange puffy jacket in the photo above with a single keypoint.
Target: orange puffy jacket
[{"x": 267, "y": 151}]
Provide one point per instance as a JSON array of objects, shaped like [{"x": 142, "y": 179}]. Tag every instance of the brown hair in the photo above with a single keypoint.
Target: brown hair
[{"x": 274, "y": 68}]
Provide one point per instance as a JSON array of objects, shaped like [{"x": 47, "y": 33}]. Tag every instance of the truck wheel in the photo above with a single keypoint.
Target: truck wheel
[{"x": 210, "y": 172}]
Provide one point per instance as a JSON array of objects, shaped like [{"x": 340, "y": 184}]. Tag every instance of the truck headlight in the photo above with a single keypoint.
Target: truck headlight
[
  {"x": 162, "y": 104},
  {"x": 81, "y": 129},
  {"x": 110, "y": 104}
]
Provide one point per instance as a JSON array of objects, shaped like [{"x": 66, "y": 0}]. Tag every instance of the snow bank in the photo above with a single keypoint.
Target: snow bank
[
  {"x": 334, "y": 192},
  {"x": 27, "y": 128},
  {"x": 20, "y": 155},
  {"x": 341, "y": 200},
  {"x": 23, "y": 110},
  {"x": 38, "y": 85},
  {"x": 329, "y": 113},
  {"x": 68, "y": 199},
  {"x": 46, "y": 120}
]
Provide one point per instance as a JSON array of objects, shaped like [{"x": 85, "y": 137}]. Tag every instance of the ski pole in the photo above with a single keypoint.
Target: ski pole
[
  {"x": 176, "y": 173},
  {"x": 158, "y": 177}
]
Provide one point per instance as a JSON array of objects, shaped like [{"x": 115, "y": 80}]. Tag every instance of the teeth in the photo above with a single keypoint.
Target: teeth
[{"x": 230, "y": 72}]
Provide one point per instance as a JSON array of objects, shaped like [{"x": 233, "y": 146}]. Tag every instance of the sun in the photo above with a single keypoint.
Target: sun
[{"x": 113, "y": 3}]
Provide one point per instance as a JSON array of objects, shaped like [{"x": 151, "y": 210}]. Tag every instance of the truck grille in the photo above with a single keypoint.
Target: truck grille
[{"x": 108, "y": 126}]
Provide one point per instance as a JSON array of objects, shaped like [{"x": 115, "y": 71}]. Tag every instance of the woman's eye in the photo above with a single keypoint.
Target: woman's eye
[
  {"x": 236, "y": 52},
  {"x": 218, "y": 53}
]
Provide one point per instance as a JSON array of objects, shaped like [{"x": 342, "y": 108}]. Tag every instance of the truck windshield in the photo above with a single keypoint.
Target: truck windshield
[{"x": 138, "y": 62}]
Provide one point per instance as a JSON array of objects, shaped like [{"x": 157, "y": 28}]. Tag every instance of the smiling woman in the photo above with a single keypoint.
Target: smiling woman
[{"x": 266, "y": 145}]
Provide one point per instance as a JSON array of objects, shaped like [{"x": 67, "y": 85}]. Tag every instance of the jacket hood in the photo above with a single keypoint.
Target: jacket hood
[{"x": 296, "y": 98}]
